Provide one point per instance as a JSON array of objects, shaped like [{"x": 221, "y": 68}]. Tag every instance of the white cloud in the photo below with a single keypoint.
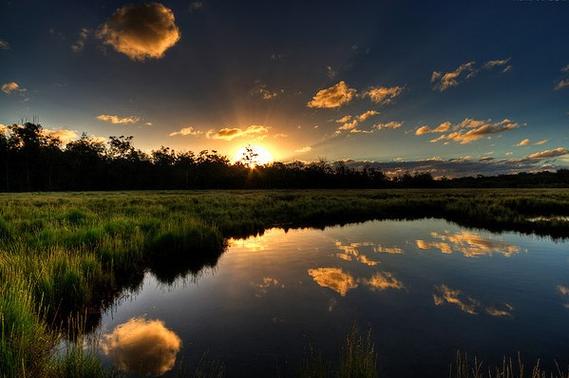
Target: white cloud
[
  {"x": 118, "y": 120},
  {"x": 79, "y": 44},
  {"x": 388, "y": 125},
  {"x": 141, "y": 31},
  {"x": 4, "y": 45}
]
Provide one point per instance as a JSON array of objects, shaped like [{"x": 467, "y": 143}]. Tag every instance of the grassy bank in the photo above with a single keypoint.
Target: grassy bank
[{"x": 64, "y": 257}]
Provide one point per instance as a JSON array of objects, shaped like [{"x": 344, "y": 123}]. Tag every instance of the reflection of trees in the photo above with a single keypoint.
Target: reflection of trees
[
  {"x": 141, "y": 346},
  {"x": 444, "y": 294},
  {"x": 470, "y": 244}
]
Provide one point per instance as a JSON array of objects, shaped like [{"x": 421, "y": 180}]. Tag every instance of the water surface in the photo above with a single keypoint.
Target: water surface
[{"x": 425, "y": 288}]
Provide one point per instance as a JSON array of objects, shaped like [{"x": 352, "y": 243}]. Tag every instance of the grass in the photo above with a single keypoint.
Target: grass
[{"x": 65, "y": 255}]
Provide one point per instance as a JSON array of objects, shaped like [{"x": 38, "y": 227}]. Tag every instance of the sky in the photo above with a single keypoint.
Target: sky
[{"x": 452, "y": 87}]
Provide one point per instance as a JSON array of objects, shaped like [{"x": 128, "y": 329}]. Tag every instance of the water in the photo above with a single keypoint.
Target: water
[{"x": 425, "y": 288}]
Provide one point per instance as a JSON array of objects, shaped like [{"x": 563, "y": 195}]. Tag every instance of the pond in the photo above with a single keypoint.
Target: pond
[{"x": 424, "y": 288}]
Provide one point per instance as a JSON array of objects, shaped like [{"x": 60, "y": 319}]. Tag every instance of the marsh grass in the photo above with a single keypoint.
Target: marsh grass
[
  {"x": 69, "y": 254},
  {"x": 471, "y": 367}
]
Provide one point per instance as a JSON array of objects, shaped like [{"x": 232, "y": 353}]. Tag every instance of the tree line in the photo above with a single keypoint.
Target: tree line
[{"x": 33, "y": 160}]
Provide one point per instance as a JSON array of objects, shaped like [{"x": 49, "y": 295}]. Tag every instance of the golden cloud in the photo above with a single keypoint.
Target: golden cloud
[
  {"x": 383, "y": 95},
  {"x": 350, "y": 123},
  {"x": 444, "y": 294},
  {"x": 140, "y": 346},
  {"x": 383, "y": 281},
  {"x": 351, "y": 252},
  {"x": 470, "y": 244},
  {"x": 549, "y": 154},
  {"x": 64, "y": 135},
  {"x": 118, "y": 120},
  {"x": 333, "y": 278},
  {"x": 12, "y": 87},
  {"x": 333, "y": 97},
  {"x": 186, "y": 131},
  {"x": 4, "y": 45},
  {"x": 469, "y": 130},
  {"x": 236, "y": 132},
  {"x": 141, "y": 31}
]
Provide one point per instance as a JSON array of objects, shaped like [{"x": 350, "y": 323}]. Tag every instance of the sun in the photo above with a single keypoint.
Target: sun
[{"x": 253, "y": 155}]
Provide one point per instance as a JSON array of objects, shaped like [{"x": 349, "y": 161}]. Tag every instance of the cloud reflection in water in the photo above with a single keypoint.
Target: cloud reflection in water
[{"x": 141, "y": 346}]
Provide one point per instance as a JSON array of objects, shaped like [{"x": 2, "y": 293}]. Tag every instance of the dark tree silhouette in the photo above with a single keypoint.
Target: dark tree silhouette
[{"x": 32, "y": 160}]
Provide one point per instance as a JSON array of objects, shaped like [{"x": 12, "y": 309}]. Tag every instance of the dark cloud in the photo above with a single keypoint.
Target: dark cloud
[{"x": 141, "y": 31}]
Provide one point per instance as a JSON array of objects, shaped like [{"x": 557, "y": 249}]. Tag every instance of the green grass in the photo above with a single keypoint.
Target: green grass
[{"x": 67, "y": 254}]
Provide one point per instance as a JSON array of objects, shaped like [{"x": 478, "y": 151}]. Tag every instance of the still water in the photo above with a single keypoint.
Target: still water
[{"x": 425, "y": 288}]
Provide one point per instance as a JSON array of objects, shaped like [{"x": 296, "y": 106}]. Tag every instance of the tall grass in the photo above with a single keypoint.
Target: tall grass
[
  {"x": 67, "y": 254},
  {"x": 465, "y": 367}
]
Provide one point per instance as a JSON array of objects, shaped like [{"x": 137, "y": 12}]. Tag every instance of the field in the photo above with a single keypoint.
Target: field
[{"x": 65, "y": 257}]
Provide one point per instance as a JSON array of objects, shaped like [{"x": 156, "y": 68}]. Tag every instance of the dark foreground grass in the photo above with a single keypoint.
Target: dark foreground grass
[{"x": 63, "y": 256}]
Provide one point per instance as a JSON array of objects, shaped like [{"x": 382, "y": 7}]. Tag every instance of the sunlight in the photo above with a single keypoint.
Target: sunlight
[{"x": 260, "y": 155}]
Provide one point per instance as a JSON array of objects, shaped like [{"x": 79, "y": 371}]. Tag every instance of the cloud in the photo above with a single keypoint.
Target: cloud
[
  {"x": 444, "y": 80},
  {"x": 143, "y": 347},
  {"x": 502, "y": 64},
  {"x": 196, "y": 6},
  {"x": 280, "y": 135},
  {"x": 388, "y": 125},
  {"x": 563, "y": 83},
  {"x": 330, "y": 72},
  {"x": 79, "y": 44},
  {"x": 350, "y": 123},
  {"x": 236, "y": 132},
  {"x": 303, "y": 150},
  {"x": 527, "y": 142},
  {"x": 333, "y": 278},
  {"x": 4, "y": 45},
  {"x": 333, "y": 97},
  {"x": 367, "y": 115},
  {"x": 470, "y": 244},
  {"x": 549, "y": 154},
  {"x": 443, "y": 294},
  {"x": 12, "y": 87},
  {"x": 383, "y": 95},
  {"x": 118, "y": 120},
  {"x": 524, "y": 142},
  {"x": 456, "y": 167},
  {"x": 186, "y": 131},
  {"x": 64, "y": 135},
  {"x": 261, "y": 91},
  {"x": 141, "y": 31},
  {"x": 443, "y": 127},
  {"x": 351, "y": 252},
  {"x": 469, "y": 130},
  {"x": 382, "y": 281}
]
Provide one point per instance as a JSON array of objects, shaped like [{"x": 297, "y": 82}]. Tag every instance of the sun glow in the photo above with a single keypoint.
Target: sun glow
[{"x": 253, "y": 155}]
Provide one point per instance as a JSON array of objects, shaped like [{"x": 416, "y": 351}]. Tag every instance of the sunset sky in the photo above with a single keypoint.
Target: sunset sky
[{"x": 453, "y": 87}]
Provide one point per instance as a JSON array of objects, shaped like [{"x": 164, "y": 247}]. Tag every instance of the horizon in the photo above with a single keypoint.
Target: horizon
[{"x": 300, "y": 82}]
